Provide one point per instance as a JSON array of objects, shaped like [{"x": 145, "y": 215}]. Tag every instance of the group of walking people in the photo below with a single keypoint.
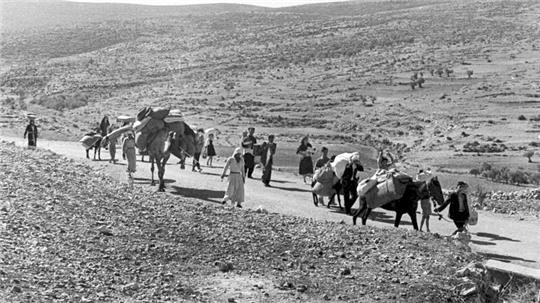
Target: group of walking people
[{"x": 241, "y": 164}]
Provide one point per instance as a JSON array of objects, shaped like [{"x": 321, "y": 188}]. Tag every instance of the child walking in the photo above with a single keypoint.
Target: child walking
[{"x": 209, "y": 150}]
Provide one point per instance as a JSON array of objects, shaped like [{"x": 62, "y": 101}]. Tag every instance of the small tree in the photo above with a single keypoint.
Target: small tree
[
  {"x": 518, "y": 177},
  {"x": 475, "y": 172},
  {"x": 490, "y": 174},
  {"x": 529, "y": 155},
  {"x": 504, "y": 175},
  {"x": 535, "y": 178},
  {"x": 485, "y": 166},
  {"x": 469, "y": 73}
]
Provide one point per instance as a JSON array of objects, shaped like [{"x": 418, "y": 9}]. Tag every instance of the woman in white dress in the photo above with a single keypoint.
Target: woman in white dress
[{"x": 235, "y": 188}]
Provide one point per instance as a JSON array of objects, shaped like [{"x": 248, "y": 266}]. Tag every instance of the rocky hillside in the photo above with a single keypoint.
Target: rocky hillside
[{"x": 71, "y": 234}]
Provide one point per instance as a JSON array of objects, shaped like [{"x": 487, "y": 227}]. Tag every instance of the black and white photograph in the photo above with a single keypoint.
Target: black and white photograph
[{"x": 246, "y": 151}]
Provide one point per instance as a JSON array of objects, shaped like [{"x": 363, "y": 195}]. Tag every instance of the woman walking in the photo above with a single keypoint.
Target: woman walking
[
  {"x": 425, "y": 204},
  {"x": 32, "y": 133},
  {"x": 112, "y": 141},
  {"x": 237, "y": 178},
  {"x": 128, "y": 149},
  {"x": 459, "y": 207},
  {"x": 305, "y": 151},
  {"x": 210, "y": 152}
]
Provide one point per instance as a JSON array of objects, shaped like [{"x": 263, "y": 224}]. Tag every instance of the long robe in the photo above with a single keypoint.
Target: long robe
[
  {"x": 306, "y": 163},
  {"x": 235, "y": 188},
  {"x": 267, "y": 159},
  {"x": 32, "y": 133},
  {"x": 128, "y": 148}
]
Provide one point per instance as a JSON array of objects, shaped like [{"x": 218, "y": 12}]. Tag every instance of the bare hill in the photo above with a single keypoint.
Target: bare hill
[
  {"x": 340, "y": 72},
  {"x": 44, "y": 15}
]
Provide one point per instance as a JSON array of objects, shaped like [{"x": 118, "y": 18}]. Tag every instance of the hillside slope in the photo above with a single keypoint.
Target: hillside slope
[
  {"x": 69, "y": 233},
  {"x": 339, "y": 72}
]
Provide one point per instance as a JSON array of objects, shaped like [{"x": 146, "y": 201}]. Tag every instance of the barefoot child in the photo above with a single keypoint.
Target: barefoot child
[{"x": 210, "y": 150}]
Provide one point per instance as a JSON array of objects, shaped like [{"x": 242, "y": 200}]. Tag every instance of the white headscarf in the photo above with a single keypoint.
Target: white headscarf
[{"x": 237, "y": 150}]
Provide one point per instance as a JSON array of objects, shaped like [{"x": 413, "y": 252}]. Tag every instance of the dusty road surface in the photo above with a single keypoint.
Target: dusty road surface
[{"x": 499, "y": 237}]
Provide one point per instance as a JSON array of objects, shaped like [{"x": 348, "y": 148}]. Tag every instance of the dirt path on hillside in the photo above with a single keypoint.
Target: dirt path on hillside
[{"x": 497, "y": 236}]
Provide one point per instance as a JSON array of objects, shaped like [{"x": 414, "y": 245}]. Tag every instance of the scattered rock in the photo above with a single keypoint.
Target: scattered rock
[
  {"x": 301, "y": 288},
  {"x": 225, "y": 266}
]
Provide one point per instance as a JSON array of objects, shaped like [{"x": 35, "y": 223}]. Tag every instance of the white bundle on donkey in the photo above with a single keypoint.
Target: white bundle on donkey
[{"x": 342, "y": 160}]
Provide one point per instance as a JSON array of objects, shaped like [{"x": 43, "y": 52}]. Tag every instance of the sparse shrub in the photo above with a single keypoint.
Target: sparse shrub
[
  {"x": 490, "y": 174},
  {"x": 535, "y": 118},
  {"x": 522, "y": 118},
  {"x": 475, "y": 172},
  {"x": 529, "y": 155},
  {"x": 535, "y": 178},
  {"x": 518, "y": 177}
]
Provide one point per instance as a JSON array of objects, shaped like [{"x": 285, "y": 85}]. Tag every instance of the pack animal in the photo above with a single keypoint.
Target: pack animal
[
  {"x": 408, "y": 203},
  {"x": 180, "y": 141},
  {"x": 97, "y": 149}
]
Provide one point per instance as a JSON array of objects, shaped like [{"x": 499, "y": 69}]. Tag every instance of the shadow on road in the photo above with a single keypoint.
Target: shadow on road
[
  {"x": 204, "y": 194},
  {"x": 504, "y": 258},
  {"x": 478, "y": 242},
  {"x": 293, "y": 189},
  {"x": 385, "y": 218},
  {"x": 280, "y": 181},
  {"x": 495, "y": 237},
  {"x": 210, "y": 174},
  {"x": 146, "y": 180}
]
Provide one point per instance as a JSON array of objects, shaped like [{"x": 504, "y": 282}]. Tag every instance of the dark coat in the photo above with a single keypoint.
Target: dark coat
[
  {"x": 453, "y": 212},
  {"x": 266, "y": 149}
]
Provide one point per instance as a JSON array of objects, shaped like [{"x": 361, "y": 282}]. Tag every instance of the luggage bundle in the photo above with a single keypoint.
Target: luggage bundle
[
  {"x": 151, "y": 120},
  {"x": 324, "y": 179},
  {"x": 380, "y": 193},
  {"x": 174, "y": 116},
  {"x": 89, "y": 140}
]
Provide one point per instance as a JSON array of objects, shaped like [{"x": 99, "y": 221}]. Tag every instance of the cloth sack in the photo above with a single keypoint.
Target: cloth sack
[
  {"x": 141, "y": 140},
  {"x": 389, "y": 190},
  {"x": 173, "y": 119},
  {"x": 473, "y": 215},
  {"x": 143, "y": 113},
  {"x": 159, "y": 113},
  {"x": 115, "y": 134},
  {"x": 89, "y": 140},
  {"x": 175, "y": 115},
  {"x": 140, "y": 124},
  {"x": 340, "y": 162},
  {"x": 152, "y": 126},
  {"x": 325, "y": 180}
]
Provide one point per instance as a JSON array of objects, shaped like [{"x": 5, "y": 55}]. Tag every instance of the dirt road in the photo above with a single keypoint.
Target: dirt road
[{"x": 498, "y": 237}]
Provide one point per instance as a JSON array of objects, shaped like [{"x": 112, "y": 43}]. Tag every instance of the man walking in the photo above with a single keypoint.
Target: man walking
[
  {"x": 267, "y": 159},
  {"x": 248, "y": 144},
  {"x": 32, "y": 133}
]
